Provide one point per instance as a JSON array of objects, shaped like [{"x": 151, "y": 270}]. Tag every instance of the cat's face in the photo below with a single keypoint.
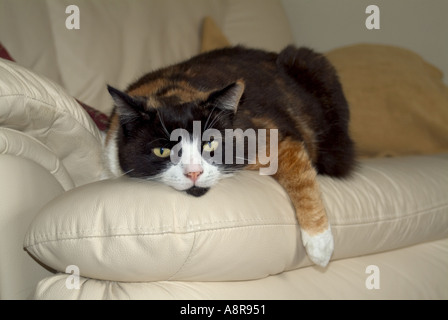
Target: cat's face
[{"x": 169, "y": 140}]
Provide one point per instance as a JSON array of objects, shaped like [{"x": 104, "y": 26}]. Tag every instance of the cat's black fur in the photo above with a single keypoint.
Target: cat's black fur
[{"x": 285, "y": 89}]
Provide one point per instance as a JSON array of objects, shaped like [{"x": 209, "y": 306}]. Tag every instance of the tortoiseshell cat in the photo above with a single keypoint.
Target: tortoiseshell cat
[{"x": 296, "y": 92}]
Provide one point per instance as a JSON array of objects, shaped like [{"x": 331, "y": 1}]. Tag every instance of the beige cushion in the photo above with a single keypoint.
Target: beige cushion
[
  {"x": 212, "y": 37},
  {"x": 398, "y": 101},
  {"x": 244, "y": 228},
  {"x": 127, "y": 230}
]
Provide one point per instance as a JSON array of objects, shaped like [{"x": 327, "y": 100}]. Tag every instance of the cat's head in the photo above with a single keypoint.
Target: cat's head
[{"x": 180, "y": 143}]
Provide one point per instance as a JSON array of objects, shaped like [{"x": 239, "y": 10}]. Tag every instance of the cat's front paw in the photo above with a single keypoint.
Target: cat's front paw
[{"x": 319, "y": 247}]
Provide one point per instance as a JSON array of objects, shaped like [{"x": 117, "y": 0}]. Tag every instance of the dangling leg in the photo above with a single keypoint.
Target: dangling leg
[{"x": 297, "y": 175}]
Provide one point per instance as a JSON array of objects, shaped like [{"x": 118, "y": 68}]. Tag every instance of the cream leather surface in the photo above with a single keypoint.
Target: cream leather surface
[
  {"x": 40, "y": 110},
  {"x": 25, "y": 187},
  {"x": 18, "y": 144},
  {"x": 417, "y": 272},
  {"x": 34, "y": 50},
  {"x": 155, "y": 34},
  {"x": 244, "y": 228},
  {"x": 130, "y": 230},
  {"x": 384, "y": 205}
]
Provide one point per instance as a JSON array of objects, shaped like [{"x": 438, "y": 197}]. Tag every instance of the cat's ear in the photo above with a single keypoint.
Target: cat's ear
[
  {"x": 128, "y": 108},
  {"x": 229, "y": 97}
]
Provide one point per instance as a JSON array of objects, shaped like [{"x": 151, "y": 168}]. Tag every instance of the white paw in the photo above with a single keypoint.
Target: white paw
[{"x": 319, "y": 247}]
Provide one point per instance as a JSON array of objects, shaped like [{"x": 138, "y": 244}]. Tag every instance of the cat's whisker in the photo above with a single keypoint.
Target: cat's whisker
[
  {"x": 157, "y": 140},
  {"x": 163, "y": 125},
  {"x": 153, "y": 178},
  {"x": 230, "y": 169},
  {"x": 146, "y": 179},
  {"x": 122, "y": 175},
  {"x": 137, "y": 179},
  {"x": 249, "y": 161},
  {"x": 218, "y": 117},
  {"x": 210, "y": 125},
  {"x": 208, "y": 118},
  {"x": 126, "y": 173}
]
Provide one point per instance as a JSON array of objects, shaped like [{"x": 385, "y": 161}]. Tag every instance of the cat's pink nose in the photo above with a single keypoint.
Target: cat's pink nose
[{"x": 194, "y": 175}]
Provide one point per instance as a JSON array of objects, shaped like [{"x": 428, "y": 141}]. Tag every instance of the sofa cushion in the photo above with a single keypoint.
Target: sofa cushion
[
  {"x": 212, "y": 37},
  {"x": 243, "y": 228},
  {"x": 413, "y": 273},
  {"x": 130, "y": 230},
  {"x": 118, "y": 42},
  {"x": 398, "y": 101}
]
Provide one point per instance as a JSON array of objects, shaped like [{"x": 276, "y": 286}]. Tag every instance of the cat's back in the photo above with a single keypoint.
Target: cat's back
[
  {"x": 209, "y": 71},
  {"x": 296, "y": 91}
]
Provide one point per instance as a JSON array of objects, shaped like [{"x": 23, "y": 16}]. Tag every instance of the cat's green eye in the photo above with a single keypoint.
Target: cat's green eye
[
  {"x": 210, "y": 146},
  {"x": 161, "y": 152}
]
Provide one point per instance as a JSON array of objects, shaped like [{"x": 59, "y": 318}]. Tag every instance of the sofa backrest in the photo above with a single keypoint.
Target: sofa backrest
[{"x": 118, "y": 41}]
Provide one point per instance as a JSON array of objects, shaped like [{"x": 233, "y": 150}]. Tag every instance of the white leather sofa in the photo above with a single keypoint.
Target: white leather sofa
[{"x": 130, "y": 239}]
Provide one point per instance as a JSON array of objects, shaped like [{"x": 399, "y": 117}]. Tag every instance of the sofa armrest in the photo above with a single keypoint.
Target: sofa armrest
[
  {"x": 43, "y": 111},
  {"x": 48, "y": 145},
  {"x": 16, "y": 143},
  {"x": 25, "y": 186}
]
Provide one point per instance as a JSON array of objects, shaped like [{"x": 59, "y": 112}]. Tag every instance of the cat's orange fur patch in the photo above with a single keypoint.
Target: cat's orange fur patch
[
  {"x": 181, "y": 90},
  {"x": 297, "y": 175},
  {"x": 264, "y": 123},
  {"x": 148, "y": 88},
  {"x": 264, "y": 147}
]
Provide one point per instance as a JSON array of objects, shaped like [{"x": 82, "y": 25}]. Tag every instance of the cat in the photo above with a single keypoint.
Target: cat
[{"x": 295, "y": 94}]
